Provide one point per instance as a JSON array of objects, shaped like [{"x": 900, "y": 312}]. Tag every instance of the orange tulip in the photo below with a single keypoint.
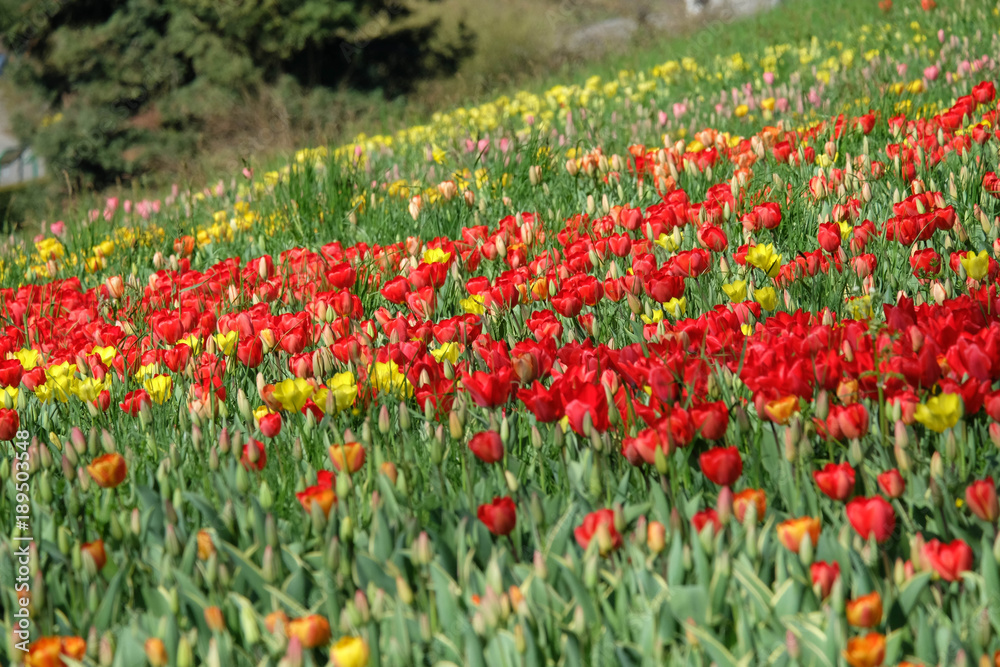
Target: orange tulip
[
  {"x": 272, "y": 620},
  {"x": 867, "y": 651},
  {"x": 205, "y": 546},
  {"x": 747, "y": 497},
  {"x": 865, "y": 611},
  {"x": 108, "y": 470},
  {"x": 791, "y": 532},
  {"x": 156, "y": 652},
  {"x": 214, "y": 619},
  {"x": 48, "y": 651},
  {"x": 312, "y": 630},
  {"x": 350, "y": 455},
  {"x": 323, "y": 496},
  {"x": 96, "y": 551}
]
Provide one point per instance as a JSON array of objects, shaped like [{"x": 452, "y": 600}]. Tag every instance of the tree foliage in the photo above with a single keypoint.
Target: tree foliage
[{"x": 123, "y": 84}]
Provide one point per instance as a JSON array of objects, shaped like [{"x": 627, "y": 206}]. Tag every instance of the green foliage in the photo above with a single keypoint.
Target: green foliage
[{"x": 119, "y": 87}]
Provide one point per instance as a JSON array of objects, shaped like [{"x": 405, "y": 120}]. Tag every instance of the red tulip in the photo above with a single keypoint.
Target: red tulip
[
  {"x": 9, "y": 423},
  {"x": 872, "y": 517},
  {"x": 705, "y": 517},
  {"x": 722, "y": 465},
  {"x": 500, "y": 516},
  {"x": 836, "y": 480},
  {"x": 829, "y": 236},
  {"x": 853, "y": 420},
  {"x": 602, "y": 525},
  {"x": 587, "y": 400},
  {"x": 270, "y": 424},
  {"x": 948, "y": 560},
  {"x": 134, "y": 400},
  {"x": 984, "y": 92},
  {"x": 710, "y": 419},
  {"x": 981, "y": 497},
  {"x": 891, "y": 483},
  {"x": 487, "y": 446},
  {"x": 488, "y": 390},
  {"x": 11, "y": 371},
  {"x": 824, "y": 575},
  {"x": 254, "y": 448}
]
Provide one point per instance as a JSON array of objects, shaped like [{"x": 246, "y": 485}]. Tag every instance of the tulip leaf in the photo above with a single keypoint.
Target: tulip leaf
[
  {"x": 787, "y": 598},
  {"x": 208, "y": 514},
  {"x": 448, "y": 611},
  {"x": 128, "y": 649},
  {"x": 675, "y": 562},
  {"x": 894, "y": 646},
  {"x": 719, "y": 654},
  {"x": 925, "y": 648},
  {"x": 473, "y": 649},
  {"x": 247, "y": 571},
  {"x": 755, "y": 589},
  {"x": 991, "y": 582},
  {"x": 369, "y": 571},
  {"x": 582, "y": 595},
  {"x": 102, "y": 619},
  {"x": 388, "y": 498},
  {"x": 689, "y": 602},
  {"x": 910, "y": 592}
]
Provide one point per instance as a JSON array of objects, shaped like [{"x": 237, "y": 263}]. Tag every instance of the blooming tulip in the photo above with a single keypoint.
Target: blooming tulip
[{"x": 500, "y": 516}]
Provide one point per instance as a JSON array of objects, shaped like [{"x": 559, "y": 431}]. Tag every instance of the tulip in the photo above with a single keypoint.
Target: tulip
[
  {"x": 792, "y": 532},
  {"x": 743, "y": 500},
  {"x": 214, "y": 619},
  {"x": 47, "y": 651},
  {"x": 976, "y": 265},
  {"x": 311, "y": 631},
  {"x": 487, "y": 446},
  {"x": 867, "y": 651},
  {"x": 823, "y": 576},
  {"x": 349, "y": 652},
  {"x": 865, "y": 611},
  {"x": 721, "y": 465},
  {"x": 599, "y": 524},
  {"x": 981, "y": 497},
  {"x": 97, "y": 553},
  {"x": 500, "y": 516},
  {"x": 940, "y": 412},
  {"x": 704, "y": 518},
  {"x": 349, "y": 456},
  {"x": 835, "y": 480},
  {"x": 156, "y": 652},
  {"x": 254, "y": 456},
  {"x": 108, "y": 470},
  {"x": 270, "y": 424},
  {"x": 891, "y": 483},
  {"x": 872, "y": 517},
  {"x": 656, "y": 536},
  {"x": 9, "y": 424}
]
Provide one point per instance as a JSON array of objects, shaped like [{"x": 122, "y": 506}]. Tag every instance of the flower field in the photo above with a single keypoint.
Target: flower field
[{"x": 693, "y": 365}]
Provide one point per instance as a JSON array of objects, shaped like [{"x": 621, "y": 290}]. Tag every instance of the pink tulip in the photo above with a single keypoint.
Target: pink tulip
[{"x": 769, "y": 78}]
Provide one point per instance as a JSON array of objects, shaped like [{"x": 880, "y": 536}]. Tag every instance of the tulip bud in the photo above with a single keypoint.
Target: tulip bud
[{"x": 656, "y": 537}]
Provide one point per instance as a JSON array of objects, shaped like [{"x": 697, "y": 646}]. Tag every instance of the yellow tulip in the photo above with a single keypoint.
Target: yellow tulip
[
  {"x": 766, "y": 297},
  {"x": 159, "y": 387},
  {"x": 226, "y": 342},
  {"x": 976, "y": 266},
  {"x": 675, "y": 307},
  {"x": 736, "y": 290},
  {"x": 764, "y": 258},
  {"x": 293, "y": 393},
  {"x": 388, "y": 378},
  {"x": 473, "y": 305},
  {"x": 349, "y": 652},
  {"x": 940, "y": 412},
  {"x": 449, "y": 351},
  {"x": 436, "y": 255}
]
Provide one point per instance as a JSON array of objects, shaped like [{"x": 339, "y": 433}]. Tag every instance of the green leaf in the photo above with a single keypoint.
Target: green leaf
[
  {"x": 719, "y": 654},
  {"x": 102, "y": 619},
  {"x": 689, "y": 602}
]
